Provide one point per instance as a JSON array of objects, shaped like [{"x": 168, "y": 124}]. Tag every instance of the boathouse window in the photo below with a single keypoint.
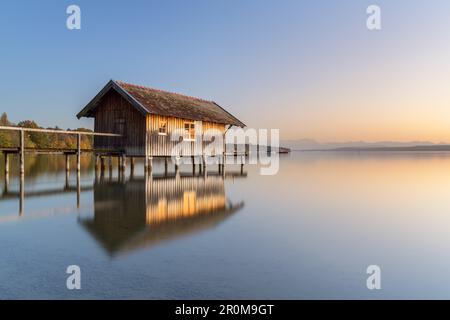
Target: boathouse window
[
  {"x": 189, "y": 130},
  {"x": 120, "y": 126},
  {"x": 162, "y": 128}
]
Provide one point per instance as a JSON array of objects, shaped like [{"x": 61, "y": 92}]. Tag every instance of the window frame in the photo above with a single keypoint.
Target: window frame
[
  {"x": 187, "y": 131},
  {"x": 160, "y": 126}
]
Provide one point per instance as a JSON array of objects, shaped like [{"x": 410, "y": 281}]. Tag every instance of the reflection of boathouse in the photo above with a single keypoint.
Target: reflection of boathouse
[{"x": 145, "y": 211}]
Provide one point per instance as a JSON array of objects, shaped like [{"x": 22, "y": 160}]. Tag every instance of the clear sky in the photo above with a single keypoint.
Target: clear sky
[{"x": 310, "y": 68}]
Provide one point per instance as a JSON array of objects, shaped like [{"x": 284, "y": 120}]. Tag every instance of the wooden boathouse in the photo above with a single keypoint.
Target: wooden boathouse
[{"x": 145, "y": 118}]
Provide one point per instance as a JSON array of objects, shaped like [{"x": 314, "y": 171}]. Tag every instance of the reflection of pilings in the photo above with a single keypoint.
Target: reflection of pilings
[{"x": 22, "y": 193}]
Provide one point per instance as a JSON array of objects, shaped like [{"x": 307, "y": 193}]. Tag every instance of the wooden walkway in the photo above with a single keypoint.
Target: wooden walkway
[{"x": 21, "y": 150}]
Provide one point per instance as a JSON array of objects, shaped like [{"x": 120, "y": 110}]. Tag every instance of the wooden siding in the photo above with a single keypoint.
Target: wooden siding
[
  {"x": 161, "y": 145},
  {"x": 108, "y": 115}
]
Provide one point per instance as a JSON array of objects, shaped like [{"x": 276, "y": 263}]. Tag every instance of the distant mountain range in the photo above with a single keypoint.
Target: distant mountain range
[{"x": 312, "y": 145}]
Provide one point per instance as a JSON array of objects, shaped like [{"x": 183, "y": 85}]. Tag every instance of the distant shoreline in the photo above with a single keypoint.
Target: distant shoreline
[{"x": 439, "y": 148}]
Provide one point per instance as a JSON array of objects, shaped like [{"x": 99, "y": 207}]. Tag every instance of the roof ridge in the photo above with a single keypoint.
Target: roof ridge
[{"x": 163, "y": 91}]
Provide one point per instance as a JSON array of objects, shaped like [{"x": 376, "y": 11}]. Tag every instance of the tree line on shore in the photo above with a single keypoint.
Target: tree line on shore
[{"x": 41, "y": 140}]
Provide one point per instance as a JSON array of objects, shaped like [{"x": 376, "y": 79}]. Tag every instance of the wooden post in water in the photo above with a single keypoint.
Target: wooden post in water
[
  {"x": 6, "y": 163},
  {"x": 67, "y": 162},
  {"x": 102, "y": 164},
  {"x": 78, "y": 152},
  {"x": 124, "y": 163},
  {"x": 110, "y": 166},
  {"x": 67, "y": 179},
  {"x": 223, "y": 166},
  {"x": 132, "y": 164},
  {"x": 165, "y": 165},
  {"x": 177, "y": 164},
  {"x": 78, "y": 190},
  {"x": 6, "y": 187},
  {"x": 204, "y": 165},
  {"x": 22, "y": 152},
  {"x": 67, "y": 170},
  {"x": 118, "y": 167}
]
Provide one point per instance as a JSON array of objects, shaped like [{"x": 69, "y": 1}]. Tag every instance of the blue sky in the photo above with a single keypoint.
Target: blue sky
[{"x": 310, "y": 68}]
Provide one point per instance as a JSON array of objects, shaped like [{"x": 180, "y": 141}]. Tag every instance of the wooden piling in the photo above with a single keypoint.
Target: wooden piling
[
  {"x": 118, "y": 166},
  {"x": 97, "y": 160},
  {"x": 165, "y": 165},
  {"x": 150, "y": 165},
  {"x": 78, "y": 189},
  {"x": 67, "y": 162},
  {"x": 102, "y": 164},
  {"x": 132, "y": 164},
  {"x": 67, "y": 179},
  {"x": 6, "y": 186},
  {"x": 177, "y": 164},
  {"x": 110, "y": 166},
  {"x": 204, "y": 165},
  {"x": 22, "y": 152},
  {"x": 6, "y": 163},
  {"x": 78, "y": 152}
]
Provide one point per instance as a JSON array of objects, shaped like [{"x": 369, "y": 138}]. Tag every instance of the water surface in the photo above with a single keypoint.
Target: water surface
[{"x": 308, "y": 232}]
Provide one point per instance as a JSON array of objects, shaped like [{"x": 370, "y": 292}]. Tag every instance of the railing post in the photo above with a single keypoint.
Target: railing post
[{"x": 22, "y": 151}]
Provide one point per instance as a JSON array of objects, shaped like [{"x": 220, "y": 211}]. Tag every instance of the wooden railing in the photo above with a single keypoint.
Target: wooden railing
[{"x": 21, "y": 148}]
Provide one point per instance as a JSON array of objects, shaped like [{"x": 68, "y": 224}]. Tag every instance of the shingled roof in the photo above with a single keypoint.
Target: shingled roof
[{"x": 153, "y": 101}]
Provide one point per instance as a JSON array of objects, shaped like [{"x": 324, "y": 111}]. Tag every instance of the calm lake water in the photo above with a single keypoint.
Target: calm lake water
[{"x": 308, "y": 232}]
